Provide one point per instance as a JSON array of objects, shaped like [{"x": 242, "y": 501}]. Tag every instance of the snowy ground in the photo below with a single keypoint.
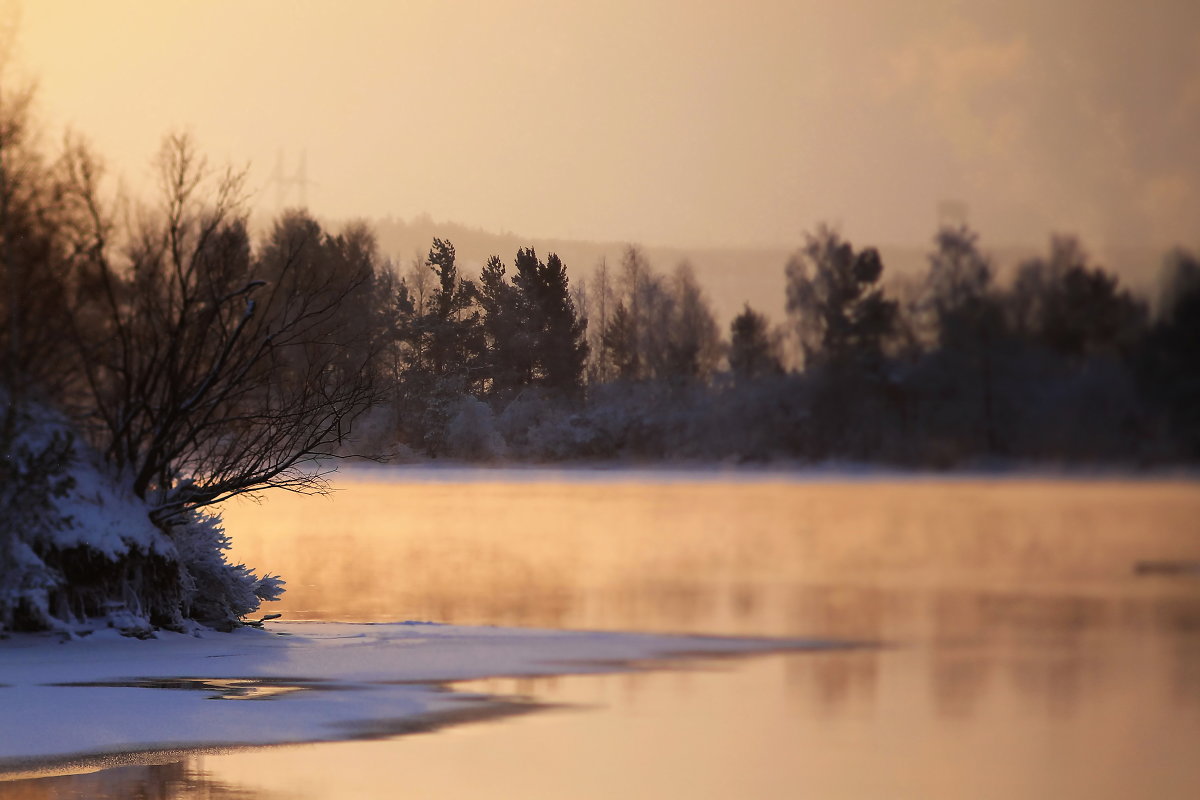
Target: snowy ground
[{"x": 76, "y": 701}]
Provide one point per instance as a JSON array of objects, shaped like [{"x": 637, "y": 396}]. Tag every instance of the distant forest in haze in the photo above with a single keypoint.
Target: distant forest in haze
[
  {"x": 731, "y": 275},
  {"x": 1053, "y": 362}
]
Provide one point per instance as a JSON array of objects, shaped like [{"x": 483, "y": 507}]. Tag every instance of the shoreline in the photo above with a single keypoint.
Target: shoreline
[
  {"x": 120, "y": 707},
  {"x": 667, "y": 471},
  {"x": 67, "y": 764}
]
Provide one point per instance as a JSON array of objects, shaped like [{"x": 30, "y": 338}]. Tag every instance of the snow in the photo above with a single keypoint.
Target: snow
[
  {"x": 63, "y": 511},
  {"x": 104, "y": 515},
  {"x": 322, "y": 681},
  {"x": 100, "y": 512}
]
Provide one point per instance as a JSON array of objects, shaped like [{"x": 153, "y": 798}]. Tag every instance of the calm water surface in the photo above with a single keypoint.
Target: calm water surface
[{"x": 1026, "y": 657}]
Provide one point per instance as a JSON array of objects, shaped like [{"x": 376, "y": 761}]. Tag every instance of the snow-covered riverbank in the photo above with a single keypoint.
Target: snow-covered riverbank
[{"x": 294, "y": 682}]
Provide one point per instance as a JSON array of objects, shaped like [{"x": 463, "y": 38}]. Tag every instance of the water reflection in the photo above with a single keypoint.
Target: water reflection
[
  {"x": 1027, "y": 656},
  {"x": 181, "y": 780}
]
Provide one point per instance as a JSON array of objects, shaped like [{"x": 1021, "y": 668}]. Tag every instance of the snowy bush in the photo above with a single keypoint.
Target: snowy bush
[
  {"x": 33, "y": 475},
  {"x": 77, "y": 547},
  {"x": 520, "y": 416},
  {"x": 215, "y": 592},
  {"x": 560, "y": 436},
  {"x": 544, "y": 426},
  {"x": 471, "y": 433}
]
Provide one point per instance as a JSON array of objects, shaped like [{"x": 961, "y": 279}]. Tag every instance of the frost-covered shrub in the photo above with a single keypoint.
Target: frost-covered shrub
[
  {"x": 559, "y": 436},
  {"x": 543, "y": 426},
  {"x": 214, "y": 591},
  {"x": 520, "y": 416},
  {"x": 33, "y": 475},
  {"x": 622, "y": 415},
  {"x": 76, "y": 545},
  {"x": 425, "y": 408},
  {"x": 471, "y": 433}
]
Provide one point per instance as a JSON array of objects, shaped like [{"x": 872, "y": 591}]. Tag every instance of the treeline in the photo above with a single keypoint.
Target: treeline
[
  {"x": 1059, "y": 363},
  {"x": 1054, "y": 362}
]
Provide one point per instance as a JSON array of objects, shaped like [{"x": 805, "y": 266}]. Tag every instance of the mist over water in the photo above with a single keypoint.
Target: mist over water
[{"x": 1025, "y": 655}]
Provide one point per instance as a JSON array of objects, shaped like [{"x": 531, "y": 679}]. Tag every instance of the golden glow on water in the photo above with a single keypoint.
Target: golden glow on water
[
  {"x": 1028, "y": 657},
  {"x": 905, "y": 560}
]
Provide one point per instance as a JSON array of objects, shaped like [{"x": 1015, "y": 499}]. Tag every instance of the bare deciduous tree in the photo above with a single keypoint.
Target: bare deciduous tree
[{"x": 209, "y": 373}]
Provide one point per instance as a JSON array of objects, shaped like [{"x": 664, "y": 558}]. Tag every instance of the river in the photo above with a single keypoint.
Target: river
[{"x": 1027, "y": 637}]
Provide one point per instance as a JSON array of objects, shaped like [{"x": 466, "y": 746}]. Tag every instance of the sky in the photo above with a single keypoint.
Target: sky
[{"x": 662, "y": 122}]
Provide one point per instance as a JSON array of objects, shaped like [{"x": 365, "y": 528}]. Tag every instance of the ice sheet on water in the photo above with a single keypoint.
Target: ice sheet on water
[{"x": 90, "y": 695}]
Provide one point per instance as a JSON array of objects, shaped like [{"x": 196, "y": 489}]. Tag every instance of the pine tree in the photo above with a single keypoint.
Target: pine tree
[
  {"x": 507, "y": 361},
  {"x": 752, "y": 354},
  {"x": 620, "y": 343},
  {"x": 554, "y": 330},
  {"x": 834, "y": 295}
]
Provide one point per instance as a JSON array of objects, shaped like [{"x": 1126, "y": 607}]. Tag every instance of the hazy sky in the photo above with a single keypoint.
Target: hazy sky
[{"x": 665, "y": 122}]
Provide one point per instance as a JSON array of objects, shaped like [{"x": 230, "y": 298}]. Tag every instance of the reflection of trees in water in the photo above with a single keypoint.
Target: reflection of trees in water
[
  {"x": 181, "y": 780},
  {"x": 957, "y": 615},
  {"x": 965, "y": 615},
  {"x": 1185, "y": 670},
  {"x": 846, "y": 612},
  {"x": 959, "y": 680},
  {"x": 835, "y": 681},
  {"x": 1053, "y": 650},
  {"x": 1178, "y": 614},
  {"x": 1054, "y": 682}
]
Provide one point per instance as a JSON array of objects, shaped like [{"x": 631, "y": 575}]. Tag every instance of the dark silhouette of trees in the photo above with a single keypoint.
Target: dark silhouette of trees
[
  {"x": 556, "y": 334},
  {"x": 601, "y": 305},
  {"x": 636, "y": 341},
  {"x": 440, "y": 349},
  {"x": 508, "y": 363},
  {"x": 35, "y": 250},
  {"x": 620, "y": 344},
  {"x": 192, "y": 367},
  {"x": 969, "y": 326},
  {"x": 486, "y": 341},
  {"x": 1170, "y": 353},
  {"x": 843, "y": 321},
  {"x": 1072, "y": 308},
  {"x": 966, "y": 310},
  {"x": 202, "y": 380},
  {"x": 752, "y": 353},
  {"x": 657, "y": 328},
  {"x": 837, "y": 303},
  {"x": 447, "y": 329},
  {"x": 694, "y": 343}
]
